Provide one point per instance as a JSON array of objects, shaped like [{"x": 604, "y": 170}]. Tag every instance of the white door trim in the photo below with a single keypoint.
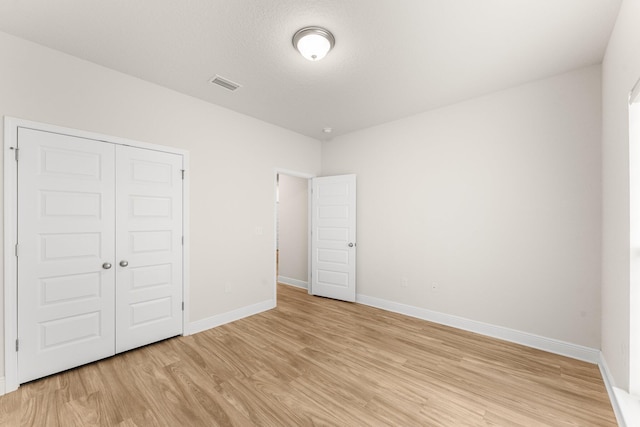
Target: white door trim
[
  {"x": 10, "y": 262},
  {"x": 11, "y": 126}
]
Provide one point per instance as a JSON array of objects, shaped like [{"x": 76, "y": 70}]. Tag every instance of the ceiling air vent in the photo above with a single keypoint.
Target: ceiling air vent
[{"x": 225, "y": 83}]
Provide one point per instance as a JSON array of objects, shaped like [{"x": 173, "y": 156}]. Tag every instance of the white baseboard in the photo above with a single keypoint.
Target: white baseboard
[
  {"x": 611, "y": 390},
  {"x": 551, "y": 345},
  {"x": 3, "y": 389},
  {"x": 629, "y": 407},
  {"x": 293, "y": 282},
  {"x": 230, "y": 316}
]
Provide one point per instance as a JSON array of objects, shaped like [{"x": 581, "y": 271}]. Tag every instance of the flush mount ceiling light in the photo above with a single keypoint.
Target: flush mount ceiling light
[{"x": 313, "y": 42}]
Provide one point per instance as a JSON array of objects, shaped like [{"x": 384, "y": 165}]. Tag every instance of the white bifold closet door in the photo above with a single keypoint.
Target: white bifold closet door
[
  {"x": 99, "y": 250},
  {"x": 149, "y": 242}
]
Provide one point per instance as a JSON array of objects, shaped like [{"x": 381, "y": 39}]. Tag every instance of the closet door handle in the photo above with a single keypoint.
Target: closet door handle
[
  {"x": 106, "y": 266},
  {"x": 124, "y": 263}
]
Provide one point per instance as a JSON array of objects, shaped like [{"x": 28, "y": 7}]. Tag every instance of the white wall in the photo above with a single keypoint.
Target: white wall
[
  {"x": 620, "y": 70},
  {"x": 293, "y": 220},
  {"x": 232, "y": 266},
  {"x": 490, "y": 208}
]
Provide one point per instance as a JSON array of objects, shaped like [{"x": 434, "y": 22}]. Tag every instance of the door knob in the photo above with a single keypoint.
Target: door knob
[
  {"x": 124, "y": 263},
  {"x": 106, "y": 266},
  {"x": 351, "y": 245}
]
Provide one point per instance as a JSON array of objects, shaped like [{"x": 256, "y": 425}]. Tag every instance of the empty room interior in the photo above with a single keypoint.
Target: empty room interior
[{"x": 430, "y": 217}]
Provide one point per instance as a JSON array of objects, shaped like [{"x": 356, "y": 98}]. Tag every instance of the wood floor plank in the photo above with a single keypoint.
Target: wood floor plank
[{"x": 315, "y": 361}]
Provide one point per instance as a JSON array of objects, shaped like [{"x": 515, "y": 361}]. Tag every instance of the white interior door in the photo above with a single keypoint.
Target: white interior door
[
  {"x": 333, "y": 237},
  {"x": 65, "y": 235},
  {"x": 148, "y": 246}
]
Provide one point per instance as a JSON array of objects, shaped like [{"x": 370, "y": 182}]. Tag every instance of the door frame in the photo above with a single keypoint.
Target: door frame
[
  {"x": 308, "y": 177},
  {"x": 11, "y": 126}
]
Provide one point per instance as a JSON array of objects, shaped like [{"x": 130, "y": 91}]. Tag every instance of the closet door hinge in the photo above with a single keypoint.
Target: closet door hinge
[
  {"x": 182, "y": 240},
  {"x": 16, "y": 250},
  {"x": 17, "y": 344},
  {"x": 15, "y": 149},
  {"x": 182, "y": 305},
  {"x": 182, "y": 170}
]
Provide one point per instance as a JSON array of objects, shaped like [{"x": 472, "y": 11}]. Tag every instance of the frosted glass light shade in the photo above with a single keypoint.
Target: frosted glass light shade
[
  {"x": 313, "y": 42},
  {"x": 313, "y": 47}
]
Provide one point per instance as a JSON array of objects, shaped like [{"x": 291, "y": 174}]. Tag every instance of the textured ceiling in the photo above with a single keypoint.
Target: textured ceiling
[{"x": 392, "y": 58}]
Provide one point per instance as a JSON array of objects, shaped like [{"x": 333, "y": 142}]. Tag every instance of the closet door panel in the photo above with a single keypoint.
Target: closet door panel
[
  {"x": 148, "y": 246},
  {"x": 66, "y": 225}
]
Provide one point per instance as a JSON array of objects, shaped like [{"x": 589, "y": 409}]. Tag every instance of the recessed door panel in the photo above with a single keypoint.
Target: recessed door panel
[
  {"x": 333, "y": 234},
  {"x": 70, "y": 204},
  {"x": 150, "y": 276},
  {"x": 151, "y": 172},
  {"x": 334, "y": 256},
  {"x": 65, "y": 163},
  {"x": 66, "y": 226},
  {"x": 333, "y": 212},
  {"x": 154, "y": 207},
  {"x": 150, "y": 311},
  {"x": 328, "y": 190},
  {"x": 76, "y": 246},
  {"x": 64, "y": 289},
  {"x": 333, "y": 278},
  {"x": 150, "y": 241},
  {"x": 70, "y": 330}
]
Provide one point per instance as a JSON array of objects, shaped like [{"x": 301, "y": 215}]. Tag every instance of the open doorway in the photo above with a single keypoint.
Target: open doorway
[
  {"x": 292, "y": 229},
  {"x": 334, "y": 231}
]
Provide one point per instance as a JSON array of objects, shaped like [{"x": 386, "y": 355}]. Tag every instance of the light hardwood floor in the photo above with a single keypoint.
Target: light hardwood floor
[{"x": 314, "y": 361}]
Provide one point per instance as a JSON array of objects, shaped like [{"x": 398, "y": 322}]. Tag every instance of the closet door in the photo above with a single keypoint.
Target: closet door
[
  {"x": 65, "y": 252},
  {"x": 148, "y": 246}
]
